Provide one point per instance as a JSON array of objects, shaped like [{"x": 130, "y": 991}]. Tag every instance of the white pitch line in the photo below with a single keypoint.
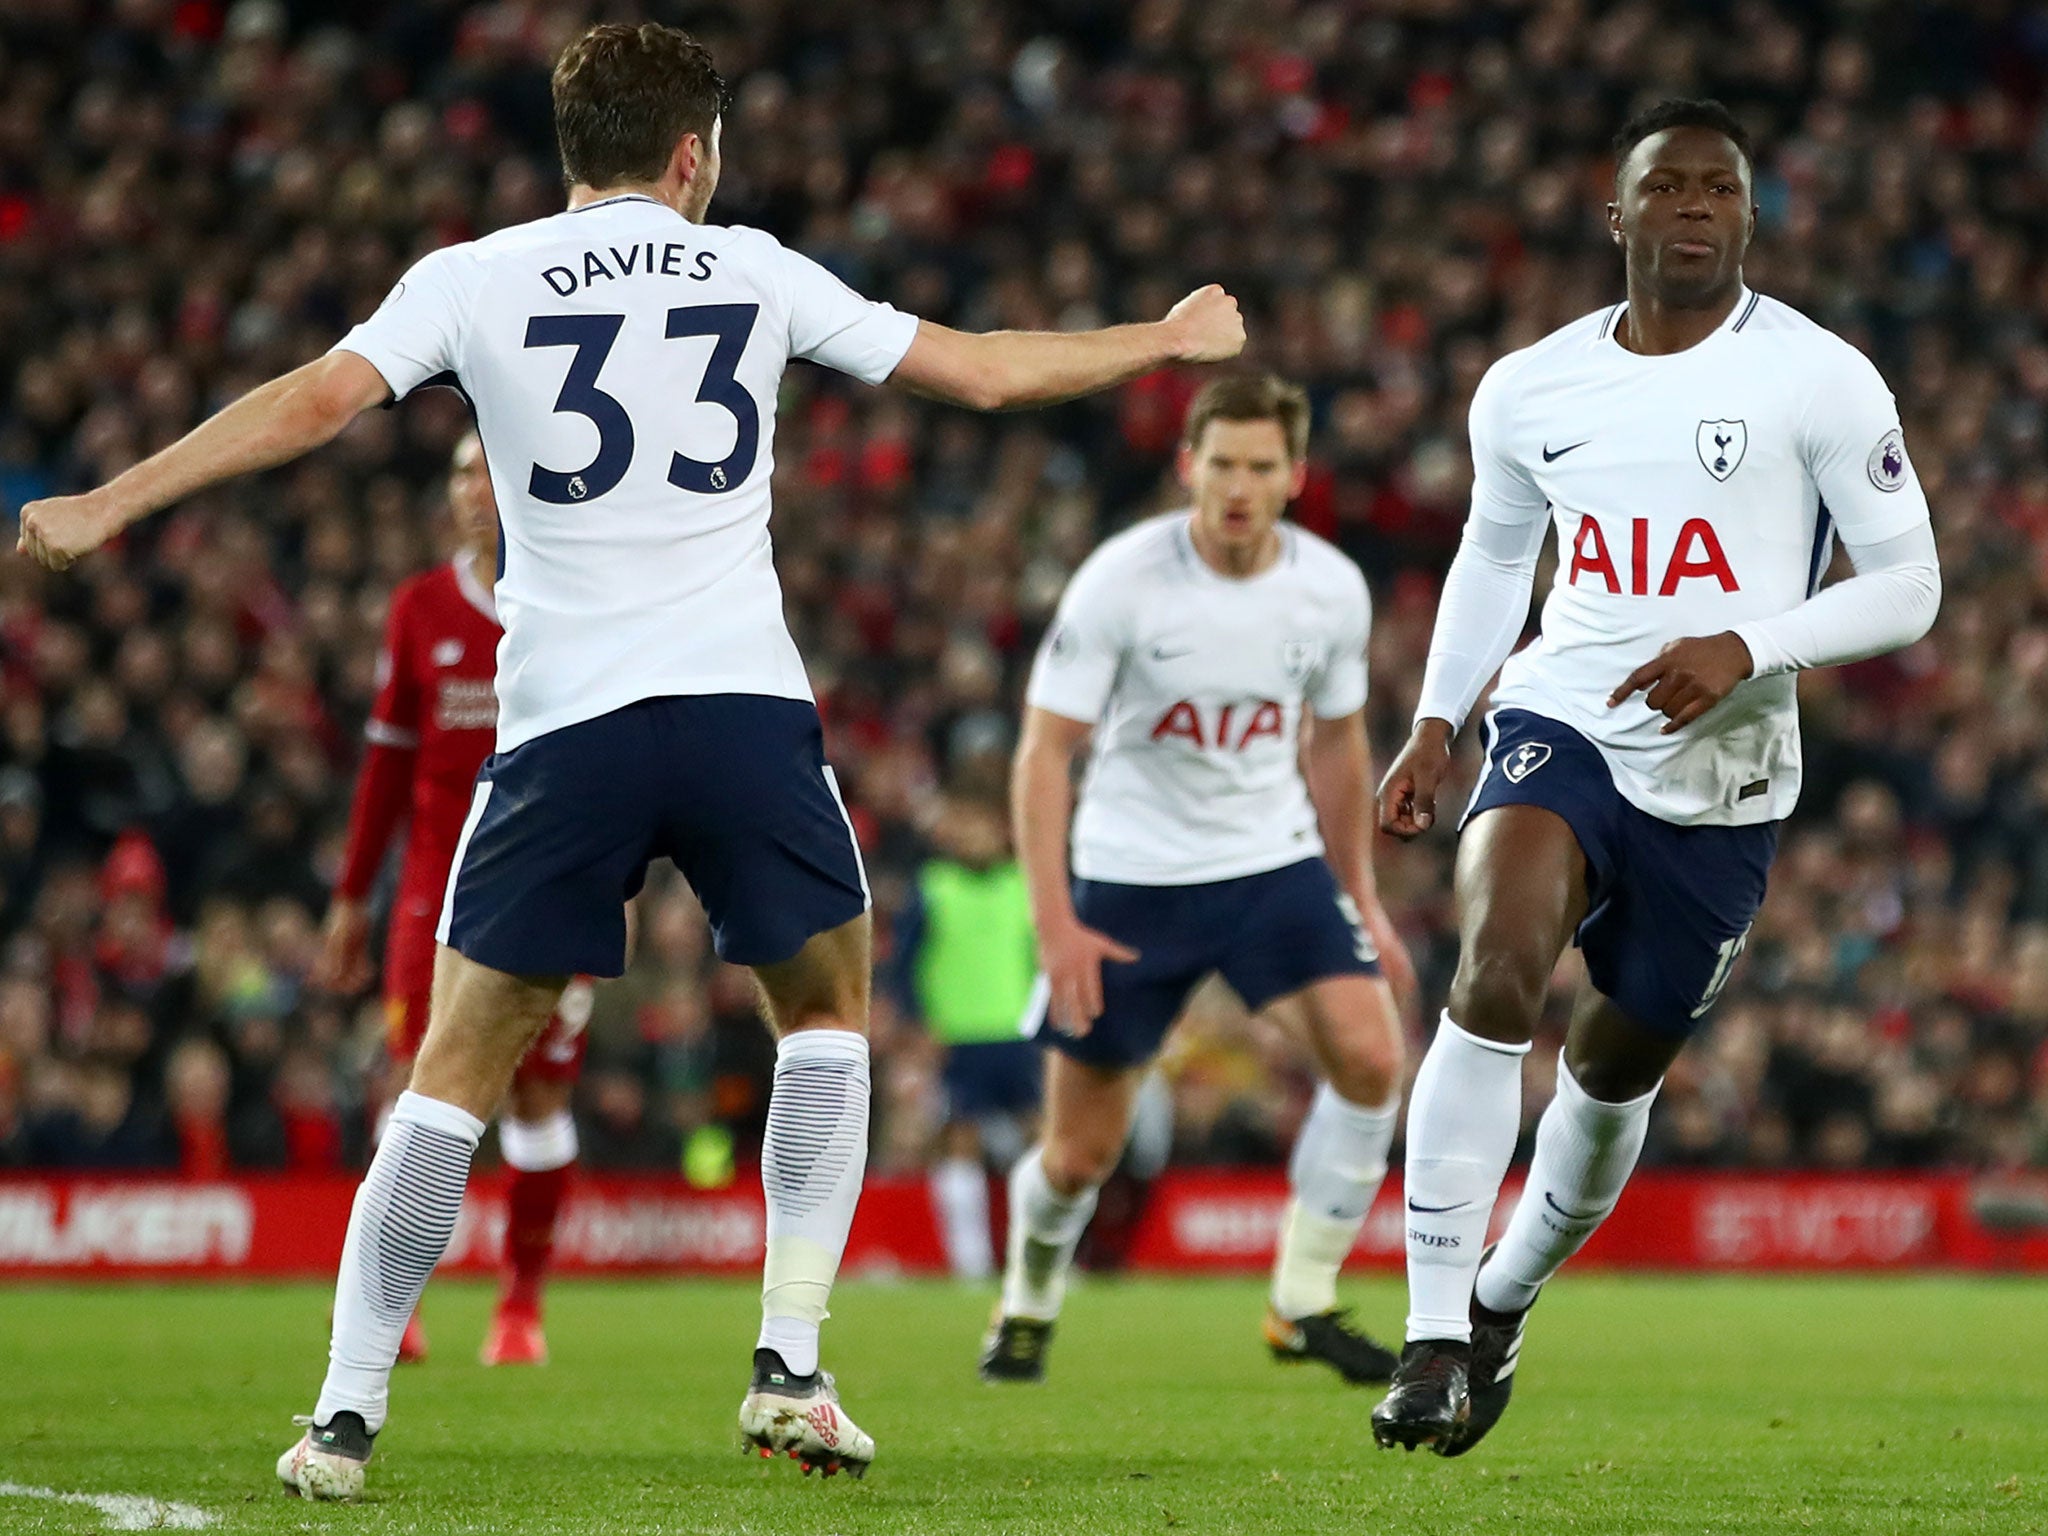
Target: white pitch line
[{"x": 124, "y": 1511}]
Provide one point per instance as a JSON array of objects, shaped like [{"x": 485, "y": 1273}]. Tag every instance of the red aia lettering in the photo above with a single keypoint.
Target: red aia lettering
[
  {"x": 1265, "y": 722},
  {"x": 1589, "y": 553},
  {"x": 1184, "y": 720},
  {"x": 1711, "y": 561},
  {"x": 1181, "y": 720},
  {"x": 1696, "y": 553}
]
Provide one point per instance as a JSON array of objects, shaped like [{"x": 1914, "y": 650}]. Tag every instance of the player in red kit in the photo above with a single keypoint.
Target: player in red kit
[{"x": 430, "y": 729}]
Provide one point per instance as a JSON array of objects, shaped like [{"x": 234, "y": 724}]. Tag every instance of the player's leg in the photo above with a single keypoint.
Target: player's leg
[
  {"x": 1521, "y": 889},
  {"x": 537, "y": 1135},
  {"x": 1052, "y": 1194},
  {"x": 556, "y": 841},
  {"x": 1091, "y": 1084},
  {"x": 405, "y": 1210},
  {"x": 1299, "y": 954},
  {"x": 1586, "y": 1146},
  {"x": 405, "y": 1025},
  {"x": 1657, "y": 955},
  {"x": 1351, "y": 1027},
  {"x": 753, "y": 819},
  {"x": 812, "y": 1161},
  {"x": 989, "y": 1086},
  {"x": 959, "y": 1190},
  {"x": 815, "y": 1151}
]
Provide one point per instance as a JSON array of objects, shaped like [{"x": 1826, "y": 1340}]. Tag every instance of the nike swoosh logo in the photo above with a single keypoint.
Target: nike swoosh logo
[
  {"x": 1161, "y": 653},
  {"x": 1552, "y": 458},
  {"x": 1568, "y": 1215},
  {"x": 1437, "y": 1210}
]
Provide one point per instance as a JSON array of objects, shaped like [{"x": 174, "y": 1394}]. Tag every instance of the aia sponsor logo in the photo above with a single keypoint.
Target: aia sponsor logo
[
  {"x": 1232, "y": 728},
  {"x": 1695, "y": 555}
]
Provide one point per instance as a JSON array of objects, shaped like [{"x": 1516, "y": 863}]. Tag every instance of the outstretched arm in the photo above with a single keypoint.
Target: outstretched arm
[
  {"x": 271, "y": 425},
  {"x": 1005, "y": 370}
]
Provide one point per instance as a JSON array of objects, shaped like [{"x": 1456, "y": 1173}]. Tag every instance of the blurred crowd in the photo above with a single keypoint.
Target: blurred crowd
[{"x": 196, "y": 195}]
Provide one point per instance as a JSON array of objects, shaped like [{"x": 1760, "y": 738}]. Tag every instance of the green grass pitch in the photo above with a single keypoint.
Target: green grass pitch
[{"x": 1646, "y": 1406}]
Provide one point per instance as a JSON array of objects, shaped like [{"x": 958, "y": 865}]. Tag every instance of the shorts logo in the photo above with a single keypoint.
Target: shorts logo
[
  {"x": 1061, "y": 643},
  {"x": 1298, "y": 659},
  {"x": 447, "y": 652},
  {"x": 1525, "y": 760},
  {"x": 1888, "y": 461},
  {"x": 1721, "y": 445}
]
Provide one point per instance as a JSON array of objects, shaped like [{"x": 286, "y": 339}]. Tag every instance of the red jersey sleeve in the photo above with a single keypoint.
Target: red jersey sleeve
[{"x": 384, "y": 788}]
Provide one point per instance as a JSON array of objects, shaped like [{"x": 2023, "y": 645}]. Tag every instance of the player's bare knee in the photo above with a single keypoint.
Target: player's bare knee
[
  {"x": 1073, "y": 1164},
  {"x": 824, "y": 985},
  {"x": 1609, "y": 1081},
  {"x": 1365, "y": 1066},
  {"x": 1498, "y": 996},
  {"x": 534, "y": 1099},
  {"x": 823, "y": 1010}
]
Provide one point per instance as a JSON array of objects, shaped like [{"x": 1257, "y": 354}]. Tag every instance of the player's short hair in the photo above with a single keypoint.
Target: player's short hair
[
  {"x": 625, "y": 96},
  {"x": 1683, "y": 112},
  {"x": 1251, "y": 397}
]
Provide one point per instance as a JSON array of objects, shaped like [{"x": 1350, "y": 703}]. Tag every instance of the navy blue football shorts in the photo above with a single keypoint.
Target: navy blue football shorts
[
  {"x": 1670, "y": 906},
  {"x": 733, "y": 787},
  {"x": 990, "y": 1077},
  {"x": 1267, "y": 934}
]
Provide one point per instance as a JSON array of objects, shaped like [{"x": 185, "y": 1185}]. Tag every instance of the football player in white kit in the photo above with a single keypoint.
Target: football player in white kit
[
  {"x": 1217, "y": 659},
  {"x": 1698, "y": 449},
  {"x": 623, "y": 359}
]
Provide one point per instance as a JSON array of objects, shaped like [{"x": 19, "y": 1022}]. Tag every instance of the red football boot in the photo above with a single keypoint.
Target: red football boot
[
  {"x": 515, "y": 1338},
  {"x": 412, "y": 1345}
]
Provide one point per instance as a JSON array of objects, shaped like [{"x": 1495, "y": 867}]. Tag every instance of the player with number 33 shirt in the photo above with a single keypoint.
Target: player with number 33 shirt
[{"x": 624, "y": 360}]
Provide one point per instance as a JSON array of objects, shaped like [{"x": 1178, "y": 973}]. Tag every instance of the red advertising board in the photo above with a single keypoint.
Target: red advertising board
[{"x": 1196, "y": 1220}]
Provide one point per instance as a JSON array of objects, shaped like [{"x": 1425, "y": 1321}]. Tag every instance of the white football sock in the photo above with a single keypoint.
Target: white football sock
[
  {"x": 1585, "y": 1151},
  {"x": 537, "y": 1146},
  {"x": 1339, "y": 1159},
  {"x": 960, "y": 1193},
  {"x": 812, "y": 1160},
  {"x": 404, "y": 1215},
  {"x": 1463, "y": 1117},
  {"x": 1045, "y": 1229}
]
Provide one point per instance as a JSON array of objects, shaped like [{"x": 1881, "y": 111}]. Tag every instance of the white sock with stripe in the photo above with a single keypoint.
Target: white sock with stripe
[
  {"x": 404, "y": 1215},
  {"x": 1045, "y": 1229},
  {"x": 1585, "y": 1152},
  {"x": 1463, "y": 1117},
  {"x": 1339, "y": 1159},
  {"x": 812, "y": 1162}
]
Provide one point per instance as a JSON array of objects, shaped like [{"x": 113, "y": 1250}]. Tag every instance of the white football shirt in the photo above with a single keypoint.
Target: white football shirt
[
  {"x": 623, "y": 365},
  {"x": 1690, "y": 493},
  {"x": 1195, "y": 683}
]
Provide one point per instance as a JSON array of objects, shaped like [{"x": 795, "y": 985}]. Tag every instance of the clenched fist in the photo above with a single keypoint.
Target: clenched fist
[
  {"x": 1407, "y": 798},
  {"x": 56, "y": 531},
  {"x": 1207, "y": 326}
]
